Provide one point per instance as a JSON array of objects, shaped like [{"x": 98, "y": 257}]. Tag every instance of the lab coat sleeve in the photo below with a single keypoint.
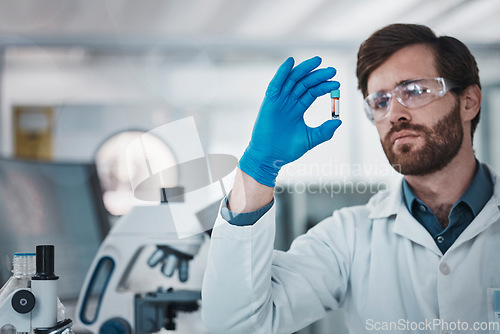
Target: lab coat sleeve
[{"x": 250, "y": 288}]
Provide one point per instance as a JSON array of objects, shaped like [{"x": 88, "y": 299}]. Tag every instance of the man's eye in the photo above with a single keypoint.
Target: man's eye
[{"x": 381, "y": 103}]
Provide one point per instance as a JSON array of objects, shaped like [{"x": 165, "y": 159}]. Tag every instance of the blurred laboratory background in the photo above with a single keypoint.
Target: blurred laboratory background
[{"x": 81, "y": 80}]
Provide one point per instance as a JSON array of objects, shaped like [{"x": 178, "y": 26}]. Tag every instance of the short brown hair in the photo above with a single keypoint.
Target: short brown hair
[{"x": 454, "y": 61}]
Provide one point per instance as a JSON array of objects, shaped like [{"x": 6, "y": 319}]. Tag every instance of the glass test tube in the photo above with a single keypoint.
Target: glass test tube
[{"x": 335, "y": 95}]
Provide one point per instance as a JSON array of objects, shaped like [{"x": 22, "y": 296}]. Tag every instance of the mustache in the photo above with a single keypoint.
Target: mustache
[{"x": 405, "y": 126}]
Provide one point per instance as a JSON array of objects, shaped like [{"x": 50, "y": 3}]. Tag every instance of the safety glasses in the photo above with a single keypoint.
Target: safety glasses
[{"x": 411, "y": 94}]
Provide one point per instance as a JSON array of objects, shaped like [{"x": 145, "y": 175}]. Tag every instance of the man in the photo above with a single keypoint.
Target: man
[{"x": 421, "y": 257}]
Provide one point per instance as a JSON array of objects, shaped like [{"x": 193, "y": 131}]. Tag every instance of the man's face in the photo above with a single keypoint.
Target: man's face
[
  {"x": 442, "y": 143},
  {"x": 423, "y": 140}
]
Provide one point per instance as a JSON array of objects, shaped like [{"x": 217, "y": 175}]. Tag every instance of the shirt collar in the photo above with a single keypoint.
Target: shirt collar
[
  {"x": 479, "y": 191},
  {"x": 409, "y": 196},
  {"x": 476, "y": 196}
]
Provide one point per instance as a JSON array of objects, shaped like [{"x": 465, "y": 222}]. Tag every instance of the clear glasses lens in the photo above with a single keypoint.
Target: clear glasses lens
[{"x": 411, "y": 94}]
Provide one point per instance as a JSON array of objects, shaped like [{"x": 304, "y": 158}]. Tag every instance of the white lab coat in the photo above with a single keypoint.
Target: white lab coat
[{"x": 375, "y": 261}]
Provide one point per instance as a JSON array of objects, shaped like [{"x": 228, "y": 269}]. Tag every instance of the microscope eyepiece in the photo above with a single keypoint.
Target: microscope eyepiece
[{"x": 45, "y": 263}]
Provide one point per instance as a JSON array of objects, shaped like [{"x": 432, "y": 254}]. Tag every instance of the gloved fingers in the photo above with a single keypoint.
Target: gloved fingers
[
  {"x": 299, "y": 72},
  {"x": 312, "y": 79},
  {"x": 279, "y": 78},
  {"x": 312, "y": 93},
  {"x": 323, "y": 132}
]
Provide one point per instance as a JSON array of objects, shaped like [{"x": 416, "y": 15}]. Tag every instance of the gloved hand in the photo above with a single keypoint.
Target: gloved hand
[{"x": 280, "y": 134}]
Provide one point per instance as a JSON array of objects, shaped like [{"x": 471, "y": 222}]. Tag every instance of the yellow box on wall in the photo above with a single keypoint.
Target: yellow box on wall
[{"x": 33, "y": 127}]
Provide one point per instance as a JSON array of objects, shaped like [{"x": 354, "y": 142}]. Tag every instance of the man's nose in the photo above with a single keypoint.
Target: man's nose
[{"x": 398, "y": 112}]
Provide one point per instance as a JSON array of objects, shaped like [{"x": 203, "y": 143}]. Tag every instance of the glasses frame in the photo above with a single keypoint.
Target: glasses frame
[{"x": 446, "y": 85}]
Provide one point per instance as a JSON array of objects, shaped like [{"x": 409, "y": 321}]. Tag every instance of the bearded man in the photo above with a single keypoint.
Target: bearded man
[{"x": 421, "y": 257}]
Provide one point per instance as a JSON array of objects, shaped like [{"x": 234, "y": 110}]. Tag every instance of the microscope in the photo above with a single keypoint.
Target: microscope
[
  {"x": 145, "y": 238},
  {"x": 28, "y": 301}
]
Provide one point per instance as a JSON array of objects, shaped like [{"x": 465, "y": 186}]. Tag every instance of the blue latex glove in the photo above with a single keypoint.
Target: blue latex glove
[{"x": 280, "y": 134}]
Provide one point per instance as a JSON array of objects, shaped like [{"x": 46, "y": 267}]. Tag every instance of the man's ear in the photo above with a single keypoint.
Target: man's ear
[{"x": 471, "y": 102}]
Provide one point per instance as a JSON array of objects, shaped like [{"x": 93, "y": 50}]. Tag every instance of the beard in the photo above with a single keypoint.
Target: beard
[{"x": 442, "y": 143}]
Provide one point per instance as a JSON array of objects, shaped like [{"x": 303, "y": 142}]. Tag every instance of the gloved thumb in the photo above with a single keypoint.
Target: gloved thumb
[{"x": 324, "y": 132}]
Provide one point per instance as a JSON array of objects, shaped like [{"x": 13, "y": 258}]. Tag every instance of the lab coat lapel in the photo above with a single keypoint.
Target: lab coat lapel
[
  {"x": 386, "y": 203},
  {"x": 408, "y": 227},
  {"x": 391, "y": 204},
  {"x": 489, "y": 215}
]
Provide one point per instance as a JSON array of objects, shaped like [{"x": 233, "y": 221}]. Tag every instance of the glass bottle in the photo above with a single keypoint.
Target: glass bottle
[{"x": 23, "y": 268}]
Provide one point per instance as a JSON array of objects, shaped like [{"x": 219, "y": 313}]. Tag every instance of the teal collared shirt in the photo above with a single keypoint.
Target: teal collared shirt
[{"x": 462, "y": 213}]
